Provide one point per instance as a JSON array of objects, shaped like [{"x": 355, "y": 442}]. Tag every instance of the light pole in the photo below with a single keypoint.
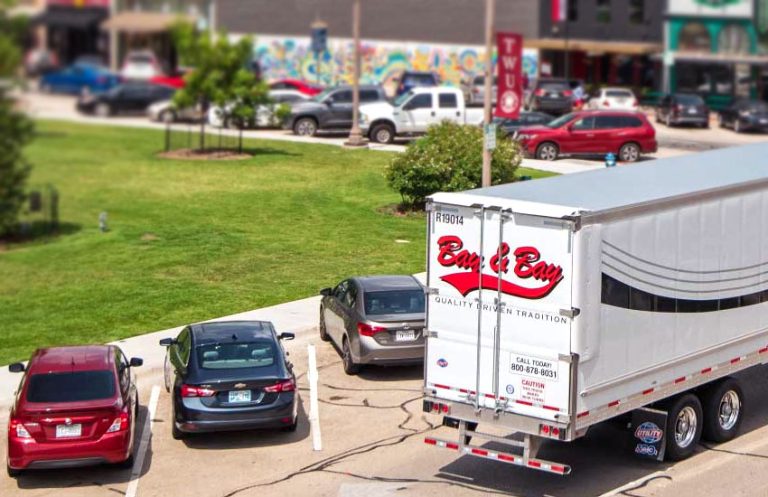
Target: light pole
[
  {"x": 355, "y": 137},
  {"x": 490, "y": 7}
]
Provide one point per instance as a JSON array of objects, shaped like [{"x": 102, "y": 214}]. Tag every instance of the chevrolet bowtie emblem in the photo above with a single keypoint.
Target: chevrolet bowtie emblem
[{"x": 239, "y": 385}]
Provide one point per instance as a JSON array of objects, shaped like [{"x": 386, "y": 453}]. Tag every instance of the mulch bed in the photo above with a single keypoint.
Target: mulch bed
[{"x": 196, "y": 154}]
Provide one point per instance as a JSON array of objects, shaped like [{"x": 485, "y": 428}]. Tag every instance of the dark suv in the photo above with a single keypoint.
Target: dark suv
[
  {"x": 330, "y": 110},
  {"x": 683, "y": 108},
  {"x": 553, "y": 96},
  {"x": 409, "y": 80}
]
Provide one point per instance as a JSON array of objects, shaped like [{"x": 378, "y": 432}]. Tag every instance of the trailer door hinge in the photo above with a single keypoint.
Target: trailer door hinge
[
  {"x": 432, "y": 334},
  {"x": 570, "y": 313},
  {"x": 431, "y": 291}
]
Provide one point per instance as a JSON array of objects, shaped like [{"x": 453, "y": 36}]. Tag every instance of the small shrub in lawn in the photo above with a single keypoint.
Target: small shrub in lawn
[{"x": 449, "y": 158}]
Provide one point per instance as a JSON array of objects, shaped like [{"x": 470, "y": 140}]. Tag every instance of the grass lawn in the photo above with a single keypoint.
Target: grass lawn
[{"x": 191, "y": 240}]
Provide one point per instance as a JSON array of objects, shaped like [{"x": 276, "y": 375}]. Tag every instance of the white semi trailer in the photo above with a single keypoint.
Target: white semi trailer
[{"x": 559, "y": 303}]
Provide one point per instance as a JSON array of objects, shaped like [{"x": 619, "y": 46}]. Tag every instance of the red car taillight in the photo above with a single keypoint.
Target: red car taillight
[
  {"x": 606, "y": 103},
  {"x": 539, "y": 93},
  {"x": 119, "y": 424},
  {"x": 16, "y": 429},
  {"x": 283, "y": 386},
  {"x": 192, "y": 391},
  {"x": 679, "y": 108},
  {"x": 368, "y": 330},
  {"x": 567, "y": 93}
]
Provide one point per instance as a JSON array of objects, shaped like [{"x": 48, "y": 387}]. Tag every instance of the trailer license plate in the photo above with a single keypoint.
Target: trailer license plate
[
  {"x": 69, "y": 431},
  {"x": 240, "y": 396},
  {"x": 405, "y": 336}
]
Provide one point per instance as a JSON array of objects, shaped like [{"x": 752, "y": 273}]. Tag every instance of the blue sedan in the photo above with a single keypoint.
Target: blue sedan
[{"x": 78, "y": 79}]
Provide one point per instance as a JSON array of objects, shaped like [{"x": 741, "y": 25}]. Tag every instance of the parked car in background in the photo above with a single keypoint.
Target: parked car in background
[
  {"x": 413, "y": 112},
  {"x": 743, "y": 115},
  {"x": 141, "y": 65},
  {"x": 683, "y": 108},
  {"x": 330, "y": 110},
  {"x": 374, "y": 320},
  {"x": 78, "y": 79},
  {"x": 175, "y": 80},
  {"x": 308, "y": 89},
  {"x": 409, "y": 80},
  {"x": 613, "y": 99},
  {"x": 127, "y": 98},
  {"x": 509, "y": 126},
  {"x": 553, "y": 96},
  {"x": 38, "y": 61},
  {"x": 591, "y": 132},
  {"x": 474, "y": 90},
  {"x": 75, "y": 406},
  {"x": 229, "y": 375},
  {"x": 165, "y": 111},
  {"x": 265, "y": 115}
]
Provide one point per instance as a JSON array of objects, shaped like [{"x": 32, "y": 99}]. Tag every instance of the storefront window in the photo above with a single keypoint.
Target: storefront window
[
  {"x": 704, "y": 79},
  {"x": 733, "y": 38},
  {"x": 694, "y": 37},
  {"x": 604, "y": 11},
  {"x": 573, "y": 10}
]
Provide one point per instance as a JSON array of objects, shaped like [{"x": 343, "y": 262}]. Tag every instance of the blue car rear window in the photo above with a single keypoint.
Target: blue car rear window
[{"x": 236, "y": 355}]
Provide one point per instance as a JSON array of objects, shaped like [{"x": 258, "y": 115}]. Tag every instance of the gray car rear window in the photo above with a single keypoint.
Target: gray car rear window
[
  {"x": 393, "y": 302},
  {"x": 236, "y": 355}
]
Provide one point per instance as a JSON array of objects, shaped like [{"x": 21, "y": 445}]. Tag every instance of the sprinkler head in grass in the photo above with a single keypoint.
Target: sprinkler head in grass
[{"x": 103, "y": 222}]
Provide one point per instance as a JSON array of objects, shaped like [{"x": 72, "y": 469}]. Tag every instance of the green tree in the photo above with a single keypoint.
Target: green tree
[
  {"x": 449, "y": 158},
  {"x": 219, "y": 75},
  {"x": 15, "y": 132}
]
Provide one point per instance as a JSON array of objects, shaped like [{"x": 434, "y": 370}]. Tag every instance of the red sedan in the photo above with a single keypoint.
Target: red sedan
[
  {"x": 627, "y": 134},
  {"x": 296, "y": 84},
  {"x": 75, "y": 406}
]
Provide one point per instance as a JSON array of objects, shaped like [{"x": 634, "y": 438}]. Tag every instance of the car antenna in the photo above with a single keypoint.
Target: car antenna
[
  {"x": 234, "y": 336},
  {"x": 72, "y": 363}
]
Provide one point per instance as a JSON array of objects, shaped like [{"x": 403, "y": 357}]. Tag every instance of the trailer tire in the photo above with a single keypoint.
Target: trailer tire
[
  {"x": 684, "y": 425},
  {"x": 723, "y": 404}
]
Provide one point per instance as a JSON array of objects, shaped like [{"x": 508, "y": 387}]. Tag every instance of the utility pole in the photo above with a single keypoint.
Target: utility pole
[
  {"x": 490, "y": 7},
  {"x": 355, "y": 136}
]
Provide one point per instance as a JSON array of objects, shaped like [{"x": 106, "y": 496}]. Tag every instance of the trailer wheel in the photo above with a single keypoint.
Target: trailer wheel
[
  {"x": 723, "y": 404},
  {"x": 684, "y": 424}
]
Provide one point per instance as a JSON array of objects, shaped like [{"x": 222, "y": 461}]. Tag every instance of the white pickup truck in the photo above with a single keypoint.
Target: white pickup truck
[{"x": 415, "y": 111}]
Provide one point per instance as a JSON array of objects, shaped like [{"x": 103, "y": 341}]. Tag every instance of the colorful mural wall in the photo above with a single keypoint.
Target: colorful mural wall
[{"x": 288, "y": 57}]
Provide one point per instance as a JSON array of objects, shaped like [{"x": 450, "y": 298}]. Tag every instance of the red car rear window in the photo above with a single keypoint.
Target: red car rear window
[{"x": 76, "y": 386}]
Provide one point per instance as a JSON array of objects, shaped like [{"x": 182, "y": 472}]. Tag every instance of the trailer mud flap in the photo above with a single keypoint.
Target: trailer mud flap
[{"x": 648, "y": 432}]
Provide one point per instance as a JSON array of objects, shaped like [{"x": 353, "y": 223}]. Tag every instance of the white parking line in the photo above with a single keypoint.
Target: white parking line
[
  {"x": 314, "y": 412},
  {"x": 146, "y": 434}
]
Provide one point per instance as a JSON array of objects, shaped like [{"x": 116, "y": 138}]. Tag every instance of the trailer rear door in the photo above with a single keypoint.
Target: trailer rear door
[{"x": 498, "y": 309}]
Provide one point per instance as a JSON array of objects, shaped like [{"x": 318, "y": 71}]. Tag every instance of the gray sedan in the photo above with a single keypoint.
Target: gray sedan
[{"x": 374, "y": 320}]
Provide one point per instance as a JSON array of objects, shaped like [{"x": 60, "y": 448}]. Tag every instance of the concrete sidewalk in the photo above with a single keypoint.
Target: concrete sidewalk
[{"x": 299, "y": 316}]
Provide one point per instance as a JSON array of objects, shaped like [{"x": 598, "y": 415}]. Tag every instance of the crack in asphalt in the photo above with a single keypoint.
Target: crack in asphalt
[
  {"x": 735, "y": 453},
  {"x": 324, "y": 464},
  {"x": 643, "y": 484}
]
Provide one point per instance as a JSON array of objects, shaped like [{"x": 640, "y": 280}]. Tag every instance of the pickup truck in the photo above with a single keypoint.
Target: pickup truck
[{"x": 413, "y": 112}]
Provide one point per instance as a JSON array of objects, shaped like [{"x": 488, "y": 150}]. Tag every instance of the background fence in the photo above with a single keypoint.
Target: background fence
[{"x": 180, "y": 136}]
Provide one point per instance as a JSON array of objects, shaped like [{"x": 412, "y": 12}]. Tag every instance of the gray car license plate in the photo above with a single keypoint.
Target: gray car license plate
[
  {"x": 239, "y": 396},
  {"x": 69, "y": 431}
]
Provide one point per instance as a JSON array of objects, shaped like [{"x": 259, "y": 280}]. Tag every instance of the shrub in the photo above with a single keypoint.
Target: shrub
[{"x": 449, "y": 158}]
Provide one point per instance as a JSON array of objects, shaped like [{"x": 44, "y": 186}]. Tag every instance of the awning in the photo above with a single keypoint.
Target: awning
[
  {"x": 722, "y": 58},
  {"x": 68, "y": 17},
  {"x": 594, "y": 47},
  {"x": 142, "y": 22}
]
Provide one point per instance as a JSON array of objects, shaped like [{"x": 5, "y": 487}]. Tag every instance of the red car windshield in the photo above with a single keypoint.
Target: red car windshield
[{"x": 75, "y": 386}]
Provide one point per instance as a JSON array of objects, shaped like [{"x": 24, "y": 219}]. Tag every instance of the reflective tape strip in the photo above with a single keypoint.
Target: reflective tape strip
[
  {"x": 491, "y": 396},
  {"x": 539, "y": 464}
]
